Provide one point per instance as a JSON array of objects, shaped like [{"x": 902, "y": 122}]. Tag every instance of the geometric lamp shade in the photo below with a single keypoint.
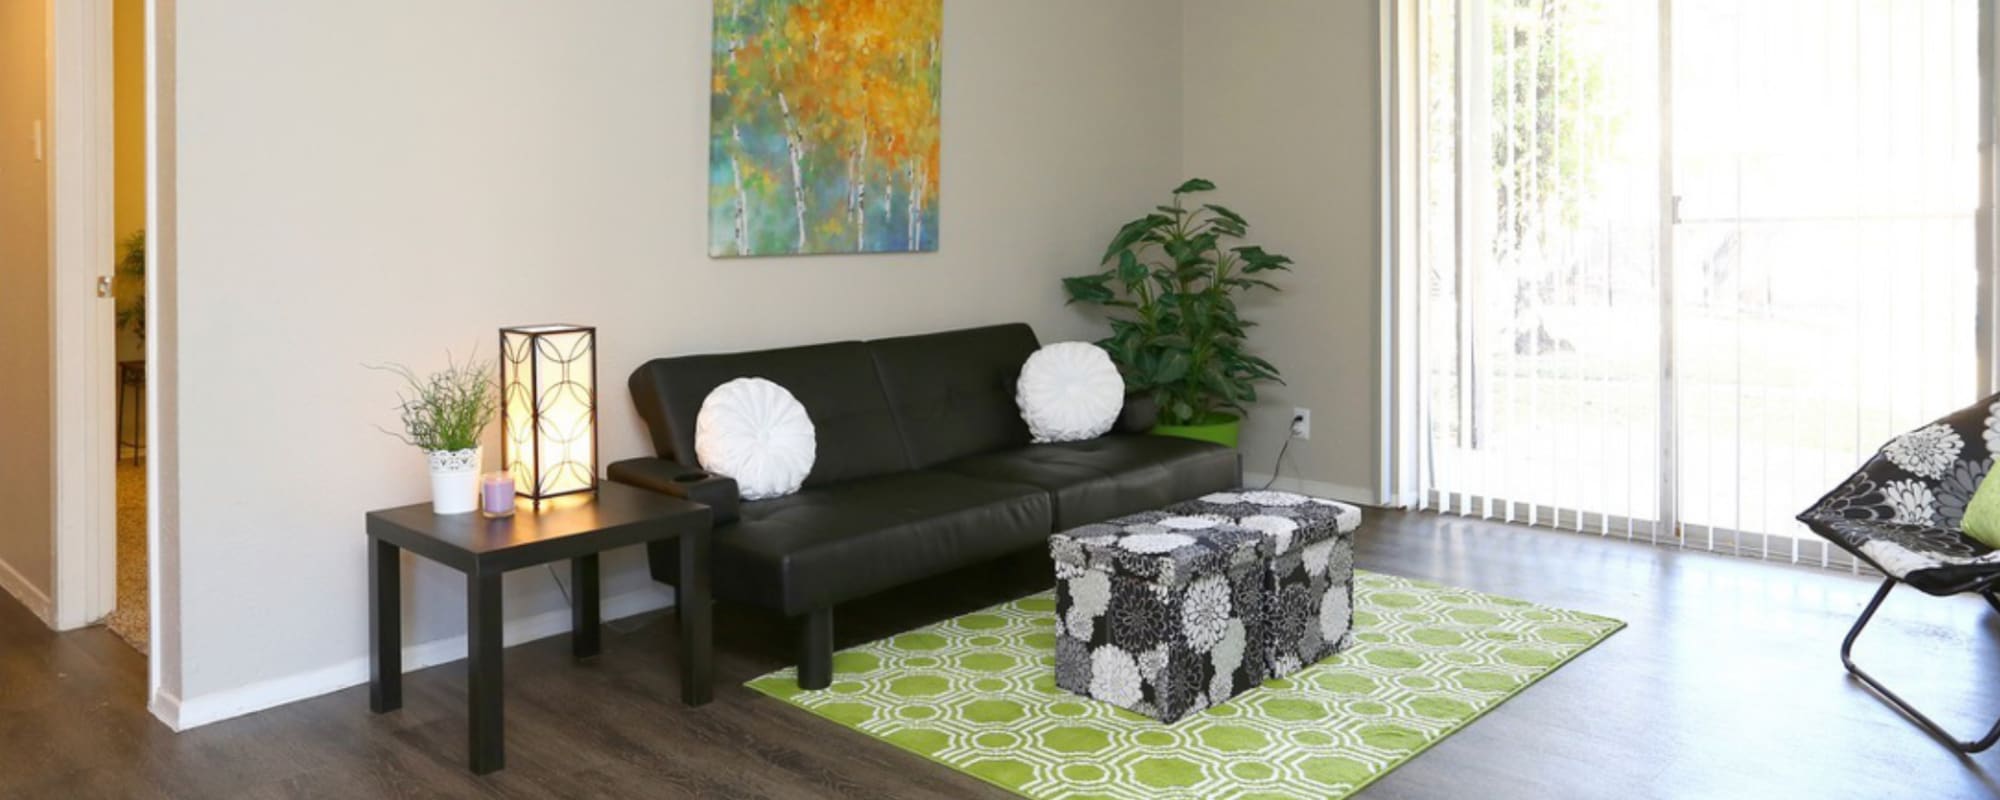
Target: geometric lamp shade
[{"x": 548, "y": 409}]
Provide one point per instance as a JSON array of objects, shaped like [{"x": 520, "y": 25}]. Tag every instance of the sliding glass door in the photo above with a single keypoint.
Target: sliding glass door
[
  {"x": 1683, "y": 264},
  {"x": 1826, "y": 163},
  {"x": 1538, "y": 223}
]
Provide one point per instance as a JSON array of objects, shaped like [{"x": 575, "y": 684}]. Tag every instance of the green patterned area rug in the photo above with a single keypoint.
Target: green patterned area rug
[{"x": 977, "y": 694}]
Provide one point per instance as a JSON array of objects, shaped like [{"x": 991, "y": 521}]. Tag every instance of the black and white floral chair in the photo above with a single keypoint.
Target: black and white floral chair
[{"x": 1901, "y": 513}]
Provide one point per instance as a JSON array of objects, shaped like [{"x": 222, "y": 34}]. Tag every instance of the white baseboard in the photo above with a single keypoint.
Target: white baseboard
[
  {"x": 36, "y": 600},
  {"x": 166, "y": 707},
  {"x": 213, "y": 707},
  {"x": 1330, "y": 491}
]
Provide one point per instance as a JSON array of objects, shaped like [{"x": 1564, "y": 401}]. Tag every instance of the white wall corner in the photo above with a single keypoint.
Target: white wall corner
[
  {"x": 34, "y": 598},
  {"x": 166, "y": 707},
  {"x": 213, "y": 707}
]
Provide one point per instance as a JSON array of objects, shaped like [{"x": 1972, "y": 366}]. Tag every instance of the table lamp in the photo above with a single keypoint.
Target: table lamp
[{"x": 548, "y": 409}]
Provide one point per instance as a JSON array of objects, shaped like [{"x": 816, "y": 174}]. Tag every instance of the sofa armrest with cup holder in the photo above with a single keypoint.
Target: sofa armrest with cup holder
[{"x": 680, "y": 480}]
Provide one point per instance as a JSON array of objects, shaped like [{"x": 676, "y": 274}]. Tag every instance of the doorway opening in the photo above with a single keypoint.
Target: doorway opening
[
  {"x": 129, "y": 618},
  {"x": 86, "y": 162},
  {"x": 77, "y": 133}
]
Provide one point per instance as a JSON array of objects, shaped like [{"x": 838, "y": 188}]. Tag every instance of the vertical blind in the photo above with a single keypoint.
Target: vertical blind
[{"x": 1682, "y": 265}]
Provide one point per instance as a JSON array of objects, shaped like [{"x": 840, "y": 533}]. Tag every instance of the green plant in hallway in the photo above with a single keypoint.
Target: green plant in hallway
[
  {"x": 445, "y": 414},
  {"x": 132, "y": 269},
  {"x": 1169, "y": 285}
]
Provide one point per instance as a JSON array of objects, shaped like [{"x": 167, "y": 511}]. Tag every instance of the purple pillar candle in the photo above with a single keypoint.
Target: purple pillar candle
[{"x": 496, "y": 494}]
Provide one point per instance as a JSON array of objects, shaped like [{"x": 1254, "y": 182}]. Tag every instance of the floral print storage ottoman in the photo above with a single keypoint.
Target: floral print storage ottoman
[
  {"x": 1169, "y": 612},
  {"x": 1154, "y": 612},
  {"x": 1309, "y": 576}
]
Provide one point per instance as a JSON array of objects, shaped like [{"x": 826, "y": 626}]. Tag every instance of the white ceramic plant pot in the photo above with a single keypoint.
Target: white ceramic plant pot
[{"x": 455, "y": 481}]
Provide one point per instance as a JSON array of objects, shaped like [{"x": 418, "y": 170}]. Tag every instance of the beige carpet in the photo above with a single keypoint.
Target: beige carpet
[{"x": 129, "y": 619}]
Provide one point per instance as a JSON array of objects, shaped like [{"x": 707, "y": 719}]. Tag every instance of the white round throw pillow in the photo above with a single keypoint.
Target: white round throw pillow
[
  {"x": 754, "y": 431},
  {"x": 1069, "y": 392}
]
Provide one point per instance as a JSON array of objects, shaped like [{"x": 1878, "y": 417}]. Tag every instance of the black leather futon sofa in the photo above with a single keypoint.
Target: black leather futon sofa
[{"x": 923, "y": 466}]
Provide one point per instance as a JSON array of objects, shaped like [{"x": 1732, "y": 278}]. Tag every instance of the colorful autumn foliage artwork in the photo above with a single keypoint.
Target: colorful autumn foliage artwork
[{"x": 823, "y": 133}]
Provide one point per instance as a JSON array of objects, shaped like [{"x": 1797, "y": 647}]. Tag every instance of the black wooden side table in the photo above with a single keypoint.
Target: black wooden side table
[{"x": 574, "y": 529}]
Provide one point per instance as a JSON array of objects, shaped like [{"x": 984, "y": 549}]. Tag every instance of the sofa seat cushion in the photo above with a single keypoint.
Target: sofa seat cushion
[
  {"x": 833, "y": 543},
  {"x": 1110, "y": 476}
]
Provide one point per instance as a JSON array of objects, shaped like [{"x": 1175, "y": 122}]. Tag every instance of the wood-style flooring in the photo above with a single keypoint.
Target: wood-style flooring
[{"x": 1725, "y": 685}]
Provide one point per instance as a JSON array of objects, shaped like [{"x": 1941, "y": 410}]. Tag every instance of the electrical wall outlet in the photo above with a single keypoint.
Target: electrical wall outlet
[{"x": 1302, "y": 423}]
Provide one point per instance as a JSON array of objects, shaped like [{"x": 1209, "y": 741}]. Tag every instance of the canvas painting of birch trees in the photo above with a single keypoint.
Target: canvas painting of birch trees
[{"x": 823, "y": 133}]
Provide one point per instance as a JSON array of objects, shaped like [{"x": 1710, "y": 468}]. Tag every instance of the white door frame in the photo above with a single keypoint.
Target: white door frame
[
  {"x": 81, "y": 250},
  {"x": 163, "y": 677}
]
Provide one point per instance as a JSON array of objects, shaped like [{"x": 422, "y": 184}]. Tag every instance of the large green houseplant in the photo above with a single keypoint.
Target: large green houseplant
[{"x": 1169, "y": 284}]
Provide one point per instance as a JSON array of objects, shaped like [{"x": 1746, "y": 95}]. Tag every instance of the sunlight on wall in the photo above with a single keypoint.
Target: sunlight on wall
[{"x": 128, "y": 84}]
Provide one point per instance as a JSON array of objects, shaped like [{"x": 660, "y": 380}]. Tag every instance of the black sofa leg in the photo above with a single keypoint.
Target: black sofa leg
[
  {"x": 816, "y": 649},
  {"x": 1934, "y": 729}
]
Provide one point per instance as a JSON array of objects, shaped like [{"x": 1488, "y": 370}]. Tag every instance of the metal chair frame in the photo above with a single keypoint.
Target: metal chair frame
[{"x": 1929, "y": 726}]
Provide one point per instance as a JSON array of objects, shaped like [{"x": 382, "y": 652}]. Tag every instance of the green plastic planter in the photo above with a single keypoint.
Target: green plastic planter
[{"x": 1218, "y": 428}]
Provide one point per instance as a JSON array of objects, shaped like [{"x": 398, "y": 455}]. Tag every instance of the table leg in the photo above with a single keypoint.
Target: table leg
[
  {"x": 385, "y": 626},
  {"x": 696, "y": 620},
  {"x": 139, "y": 421},
  {"x": 482, "y": 605},
  {"x": 586, "y": 639}
]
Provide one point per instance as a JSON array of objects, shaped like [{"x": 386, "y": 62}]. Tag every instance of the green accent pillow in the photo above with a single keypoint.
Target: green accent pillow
[{"x": 1982, "y": 515}]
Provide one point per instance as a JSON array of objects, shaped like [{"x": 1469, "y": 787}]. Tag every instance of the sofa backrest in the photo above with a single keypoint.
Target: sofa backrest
[
  {"x": 835, "y": 382},
  {"x": 953, "y": 392}
]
